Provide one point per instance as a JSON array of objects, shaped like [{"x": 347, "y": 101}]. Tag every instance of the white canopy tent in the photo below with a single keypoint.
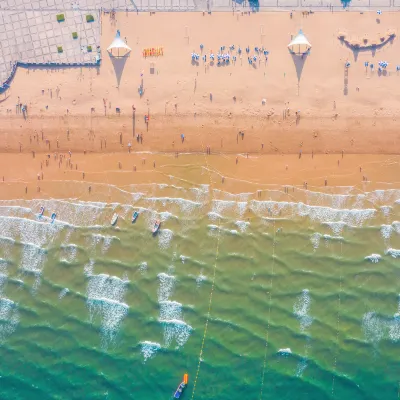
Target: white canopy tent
[
  {"x": 118, "y": 48},
  {"x": 299, "y": 44}
]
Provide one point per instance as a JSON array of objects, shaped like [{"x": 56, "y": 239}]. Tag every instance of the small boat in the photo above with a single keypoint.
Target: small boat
[
  {"x": 135, "y": 216},
  {"x": 181, "y": 387},
  {"x": 156, "y": 226},
  {"x": 41, "y": 211},
  {"x": 114, "y": 219},
  {"x": 53, "y": 217}
]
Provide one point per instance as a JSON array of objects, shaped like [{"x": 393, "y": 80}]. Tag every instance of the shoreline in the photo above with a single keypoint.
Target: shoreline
[{"x": 113, "y": 176}]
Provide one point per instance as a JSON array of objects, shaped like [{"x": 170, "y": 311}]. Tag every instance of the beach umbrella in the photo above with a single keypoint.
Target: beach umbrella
[
  {"x": 347, "y": 64},
  {"x": 239, "y": 50},
  {"x": 300, "y": 44},
  {"x": 234, "y": 58},
  {"x": 247, "y": 49},
  {"x": 366, "y": 64},
  {"x": 201, "y": 46},
  {"x": 255, "y": 58},
  {"x": 371, "y": 66},
  {"x": 398, "y": 68},
  {"x": 379, "y": 12},
  {"x": 118, "y": 48}
]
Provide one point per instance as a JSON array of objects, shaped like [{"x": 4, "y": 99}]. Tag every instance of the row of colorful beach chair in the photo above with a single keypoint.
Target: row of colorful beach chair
[{"x": 153, "y": 51}]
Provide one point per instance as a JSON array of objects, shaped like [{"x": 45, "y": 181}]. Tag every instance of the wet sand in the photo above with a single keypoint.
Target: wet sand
[{"x": 108, "y": 177}]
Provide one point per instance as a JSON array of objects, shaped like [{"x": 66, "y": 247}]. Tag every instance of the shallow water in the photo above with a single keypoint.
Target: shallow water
[{"x": 303, "y": 294}]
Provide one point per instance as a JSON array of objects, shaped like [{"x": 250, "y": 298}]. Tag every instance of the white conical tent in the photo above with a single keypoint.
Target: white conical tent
[
  {"x": 299, "y": 44},
  {"x": 118, "y": 48}
]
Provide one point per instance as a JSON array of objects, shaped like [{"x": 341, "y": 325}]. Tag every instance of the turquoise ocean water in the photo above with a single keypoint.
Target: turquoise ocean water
[{"x": 278, "y": 297}]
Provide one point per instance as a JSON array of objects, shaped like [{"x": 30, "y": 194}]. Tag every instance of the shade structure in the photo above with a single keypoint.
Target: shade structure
[
  {"x": 118, "y": 48},
  {"x": 299, "y": 44}
]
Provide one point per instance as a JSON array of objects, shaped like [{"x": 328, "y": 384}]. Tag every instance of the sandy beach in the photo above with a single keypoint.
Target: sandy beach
[{"x": 311, "y": 107}]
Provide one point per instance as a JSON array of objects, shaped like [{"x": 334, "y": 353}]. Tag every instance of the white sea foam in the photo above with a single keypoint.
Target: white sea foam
[
  {"x": 386, "y": 231},
  {"x": 200, "y": 279},
  {"x": 301, "y": 310},
  {"x": 374, "y": 327},
  {"x": 76, "y": 213},
  {"x": 88, "y": 268},
  {"x": 301, "y": 366},
  {"x": 149, "y": 349},
  {"x": 315, "y": 239},
  {"x": 143, "y": 267},
  {"x": 174, "y": 327},
  {"x": 386, "y": 210},
  {"x": 164, "y": 238},
  {"x": 167, "y": 283},
  {"x": 285, "y": 352},
  {"x": 104, "y": 241},
  {"x": 9, "y": 318},
  {"x": 3, "y": 265},
  {"x": 185, "y": 206},
  {"x": 69, "y": 253},
  {"x": 32, "y": 262},
  {"x": 396, "y": 226},
  {"x": 176, "y": 330},
  {"x": 377, "y": 328},
  {"x": 242, "y": 225},
  {"x": 170, "y": 310},
  {"x": 393, "y": 252},
  {"x": 29, "y": 231},
  {"x": 213, "y": 216},
  {"x": 337, "y": 227},
  {"x": 165, "y": 215},
  {"x": 213, "y": 230},
  {"x": 353, "y": 217},
  {"x": 374, "y": 258},
  {"x": 63, "y": 293},
  {"x": 220, "y": 206},
  {"x": 6, "y": 245},
  {"x": 105, "y": 296},
  {"x": 15, "y": 211}
]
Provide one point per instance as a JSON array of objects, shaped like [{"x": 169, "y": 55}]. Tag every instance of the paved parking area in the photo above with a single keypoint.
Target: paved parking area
[{"x": 30, "y": 33}]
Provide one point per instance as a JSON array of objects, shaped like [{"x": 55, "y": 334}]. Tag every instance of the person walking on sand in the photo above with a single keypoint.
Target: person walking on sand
[{"x": 237, "y": 160}]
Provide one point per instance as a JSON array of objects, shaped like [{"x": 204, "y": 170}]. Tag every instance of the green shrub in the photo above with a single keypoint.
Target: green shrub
[
  {"x": 89, "y": 49},
  {"x": 74, "y": 35},
  {"x": 59, "y": 49},
  {"x": 60, "y": 18},
  {"x": 89, "y": 18}
]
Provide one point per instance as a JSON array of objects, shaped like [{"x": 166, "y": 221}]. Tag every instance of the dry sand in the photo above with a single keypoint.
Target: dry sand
[{"x": 358, "y": 116}]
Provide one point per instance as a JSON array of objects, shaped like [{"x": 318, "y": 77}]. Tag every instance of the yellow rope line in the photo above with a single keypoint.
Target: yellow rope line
[
  {"x": 212, "y": 286},
  {"x": 338, "y": 321},
  {"x": 269, "y": 317}
]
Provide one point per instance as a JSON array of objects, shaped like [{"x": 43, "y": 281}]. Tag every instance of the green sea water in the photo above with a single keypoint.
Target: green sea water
[{"x": 254, "y": 297}]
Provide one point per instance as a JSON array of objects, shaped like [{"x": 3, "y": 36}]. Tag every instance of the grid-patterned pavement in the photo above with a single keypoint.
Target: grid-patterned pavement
[{"x": 30, "y": 33}]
